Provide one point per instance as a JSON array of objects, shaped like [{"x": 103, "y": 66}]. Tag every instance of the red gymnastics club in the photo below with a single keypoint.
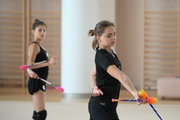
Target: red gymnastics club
[{"x": 143, "y": 94}]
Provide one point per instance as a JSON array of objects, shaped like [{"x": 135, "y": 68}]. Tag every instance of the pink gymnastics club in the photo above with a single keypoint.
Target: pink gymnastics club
[
  {"x": 60, "y": 89},
  {"x": 24, "y": 67}
]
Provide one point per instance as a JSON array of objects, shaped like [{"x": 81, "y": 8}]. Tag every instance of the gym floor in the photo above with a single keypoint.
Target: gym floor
[{"x": 15, "y": 103}]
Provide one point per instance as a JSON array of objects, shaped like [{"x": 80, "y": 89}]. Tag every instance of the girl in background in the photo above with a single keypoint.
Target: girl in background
[{"x": 37, "y": 53}]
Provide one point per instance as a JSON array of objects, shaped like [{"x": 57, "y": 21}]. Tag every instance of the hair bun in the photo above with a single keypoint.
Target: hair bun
[
  {"x": 91, "y": 33},
  {"x": 36, "y": 20}
]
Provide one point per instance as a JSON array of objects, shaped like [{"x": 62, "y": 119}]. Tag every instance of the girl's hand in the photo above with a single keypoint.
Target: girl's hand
[
  {"x": 53, "y": 60},
  {"x": 137, "y": 97},
  {"x": 32, "y": 74},
  {"x": 142, "y": 101},
  {"x": 96, "y": 91}
]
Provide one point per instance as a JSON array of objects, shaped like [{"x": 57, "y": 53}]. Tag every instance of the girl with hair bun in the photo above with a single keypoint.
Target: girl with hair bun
[
  {"x": 107, "y": 76},
  {"x": 37, "y": 54}
]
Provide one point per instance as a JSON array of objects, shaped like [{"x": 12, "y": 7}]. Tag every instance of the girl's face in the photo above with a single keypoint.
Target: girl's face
[
  {"x": 108, "y": 38},
  {"x": 39, "y": 32}
]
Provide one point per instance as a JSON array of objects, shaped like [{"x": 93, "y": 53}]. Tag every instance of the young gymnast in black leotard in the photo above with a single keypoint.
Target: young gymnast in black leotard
[
  {"x": 37, "y": 53},
  {"x": 106, "y": 77}
]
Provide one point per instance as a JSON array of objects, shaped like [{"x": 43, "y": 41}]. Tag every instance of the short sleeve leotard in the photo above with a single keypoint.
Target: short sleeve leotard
[{"x": 108, "y": 84}]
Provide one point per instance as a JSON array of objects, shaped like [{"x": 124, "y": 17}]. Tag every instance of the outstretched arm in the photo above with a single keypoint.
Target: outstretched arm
[{"x": 124, "y": 79}]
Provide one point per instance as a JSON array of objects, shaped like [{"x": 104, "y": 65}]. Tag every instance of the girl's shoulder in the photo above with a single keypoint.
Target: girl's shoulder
[
  {"x": 102, "y": 54},
  {"x": 102, "y": 51}
]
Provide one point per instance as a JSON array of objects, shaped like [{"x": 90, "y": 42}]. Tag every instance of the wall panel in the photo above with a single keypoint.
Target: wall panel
[
  {"x": 12, "y": 42},
  {"x": 161, "y": 40}
]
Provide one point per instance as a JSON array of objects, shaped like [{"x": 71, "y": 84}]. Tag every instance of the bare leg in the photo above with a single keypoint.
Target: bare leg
[{"x": 38, "y": 99}]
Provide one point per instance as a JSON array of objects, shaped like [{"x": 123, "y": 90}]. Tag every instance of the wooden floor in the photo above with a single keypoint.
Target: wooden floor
[{"x": 52, "y": 95}]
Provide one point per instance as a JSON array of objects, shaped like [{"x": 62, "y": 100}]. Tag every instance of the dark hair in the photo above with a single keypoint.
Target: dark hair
[
  {"x": 98, "y": 31},
  {"x": 37, "y": 23}
]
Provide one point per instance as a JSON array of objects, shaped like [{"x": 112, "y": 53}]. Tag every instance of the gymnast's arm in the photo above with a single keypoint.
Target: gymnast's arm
[
  {"x": 95, "y": 90},
  {"x": 33, "y": 50},
  {"x": 124, "y": 79}
]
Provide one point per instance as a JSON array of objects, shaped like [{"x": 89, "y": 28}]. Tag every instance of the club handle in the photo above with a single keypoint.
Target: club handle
[
  {"x": 24, "y": 67},
  {"x": 124, "y": 100}
]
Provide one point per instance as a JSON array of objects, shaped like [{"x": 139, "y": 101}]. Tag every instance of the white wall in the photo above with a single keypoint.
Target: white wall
[{"x": 77, "y": 60}]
